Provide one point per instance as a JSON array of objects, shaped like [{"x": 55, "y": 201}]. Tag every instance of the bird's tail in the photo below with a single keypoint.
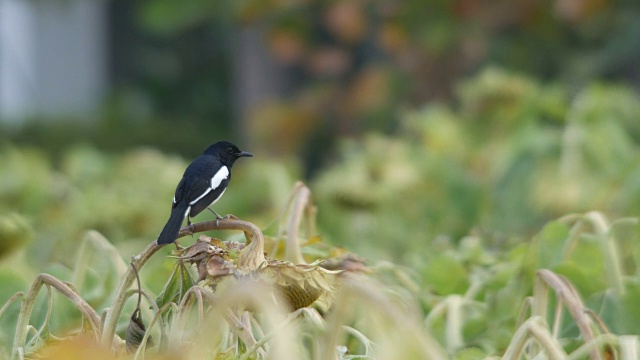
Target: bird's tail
[{"x": 172, "y": 228}]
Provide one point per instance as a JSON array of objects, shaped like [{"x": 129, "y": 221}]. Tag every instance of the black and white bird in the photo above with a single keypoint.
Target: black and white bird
[{"x": 203, "y": 183}]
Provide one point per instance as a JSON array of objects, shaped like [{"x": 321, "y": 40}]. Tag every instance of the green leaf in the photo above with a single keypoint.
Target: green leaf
[
  {"x": 177, "y": 285},
  {"x": 585, "y": 283},
  {"x": 630, "y": 314},
  {"x": 15, "y": 232},
  {"x": 470, "y": 353},
  {"x": 549, "y": 244},
  {"x": 584, "y": 267},
  {"x": 446, "y": 275}
]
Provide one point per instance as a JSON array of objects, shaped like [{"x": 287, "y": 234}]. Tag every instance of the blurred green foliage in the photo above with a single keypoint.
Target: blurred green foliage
[
  {"x": 464, "y": 189},
  {"x": 125, "y": 197},
  {"x": 459, "y": 195},
  {"x": 510, "y": 154}
]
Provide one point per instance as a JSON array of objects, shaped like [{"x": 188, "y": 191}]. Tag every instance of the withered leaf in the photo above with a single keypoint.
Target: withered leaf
[
  {"x": 135, "y": 333},
  {"x": 218, "y": 266}
]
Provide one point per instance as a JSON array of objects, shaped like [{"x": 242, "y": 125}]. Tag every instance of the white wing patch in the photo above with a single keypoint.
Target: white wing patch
[
  {"x": 186, "y": 213},
  {"x": 222, "y": 174}
]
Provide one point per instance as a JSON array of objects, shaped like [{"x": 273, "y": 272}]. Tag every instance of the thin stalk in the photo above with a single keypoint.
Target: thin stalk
[
  {"x": 274, "y": 332},
  {"x": 566, "y": 292},
  {"x": 152, "y": 303},
  {"x": 360, "y": 293},
  {"x": 282, "y": 216},
  {"x": 292, "y": 249},
  {"x": 594, "y": 345},
  {"x": 16, "y": 296},
  {"x": 454, "y": 322},
  {"x": 145, "y": 338},
  {"x": 243, "y": 331},
  {"x": 27, "y": 308},
  {"x": 249, "y": 259},
  {"x": 595, "y": 318},
  {"x": 609, "y": 247},
  {"x": 99, "y": 242},
  {"x": 572, "y": 240},
  {"x": 113, "y": 313},
  {"x": 523, "y": 314},
  {"x": 557, "y": 320},
  {"x": 47, "y": 318},
  {"x": 179, "y": 322},
  {"x": 311, "y": 213},
  {"x": 540, "y": 298},
  {"x": 534, "y": 327},
  {"x": 368, "y": 348}
]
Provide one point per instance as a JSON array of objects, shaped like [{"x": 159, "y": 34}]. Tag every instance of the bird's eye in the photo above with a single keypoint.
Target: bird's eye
[{"x": 230, "y": 150}]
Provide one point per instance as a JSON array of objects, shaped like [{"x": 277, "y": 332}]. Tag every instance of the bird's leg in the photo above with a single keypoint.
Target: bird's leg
[
  {"x": 215, "y": 213},
  {"x": 218, "y": 217},
  {"x": 189, "y": 224}
]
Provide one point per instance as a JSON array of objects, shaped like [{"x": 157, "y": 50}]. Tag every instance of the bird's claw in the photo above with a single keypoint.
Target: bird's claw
[{"x": 226, "y": 217}]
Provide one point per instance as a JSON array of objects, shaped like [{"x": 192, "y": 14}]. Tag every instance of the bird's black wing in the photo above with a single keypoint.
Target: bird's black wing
[
  {"x": 197, "y": 188},
  {"x": 195, "y": 181},
  {"x": 179, "y": 194}
]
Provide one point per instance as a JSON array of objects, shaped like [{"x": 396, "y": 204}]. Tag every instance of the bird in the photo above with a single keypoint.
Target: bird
[{"x": 202, "y": 184}]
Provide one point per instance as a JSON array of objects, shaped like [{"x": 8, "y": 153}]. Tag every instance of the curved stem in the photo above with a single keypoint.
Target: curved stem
[
  {"x": 158, "y": 316},
  {"x": 94, "y": 242},
  {"x": 27, "y": 308},
  {"x": 607, "y": 242},
  {"x": 153, "y": 307},
  {"x": 180, "y": 320},
  {"x": 292, "y": 249},
  {"x": 250, "y": 258},
  {"x": 113, "y": 313},
  {"x": 567, "y": 294},
  {"x": 534, "y": 327},
  {"x": 12, "y": 299}
]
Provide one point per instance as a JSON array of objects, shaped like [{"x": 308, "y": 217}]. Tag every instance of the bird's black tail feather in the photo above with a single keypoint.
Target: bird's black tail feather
[{"x": 172, "y": 228}]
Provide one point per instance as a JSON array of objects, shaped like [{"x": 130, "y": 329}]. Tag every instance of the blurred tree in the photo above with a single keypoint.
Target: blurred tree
[
  {"x": 298, "y": 75},
  {"x": 342, "y": 67}
]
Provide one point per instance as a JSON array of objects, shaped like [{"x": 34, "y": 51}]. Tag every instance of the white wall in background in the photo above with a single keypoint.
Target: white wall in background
[{"x": 52, "y": 57}]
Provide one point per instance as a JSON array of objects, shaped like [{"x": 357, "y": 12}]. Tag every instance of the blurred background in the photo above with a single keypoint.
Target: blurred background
[{"x": 415, "y": 123}]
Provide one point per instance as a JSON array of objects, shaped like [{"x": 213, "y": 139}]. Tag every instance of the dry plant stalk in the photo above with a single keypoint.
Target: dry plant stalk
[
  {"x": 249, "y": 259},
  {"x": 27, "y": 308},
  {"x": 301, "y": 201},
  {"x": 568, "y": 296},
  {"x": 535, "y": 327},
  {"x": 396, "y": 332}
]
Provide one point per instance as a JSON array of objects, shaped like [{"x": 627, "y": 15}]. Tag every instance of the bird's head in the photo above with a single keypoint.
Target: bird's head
[{"x": 227, "y": 152}]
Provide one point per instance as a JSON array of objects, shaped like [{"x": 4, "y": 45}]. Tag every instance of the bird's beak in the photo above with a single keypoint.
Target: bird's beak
[{"x": 244, "y": 154}]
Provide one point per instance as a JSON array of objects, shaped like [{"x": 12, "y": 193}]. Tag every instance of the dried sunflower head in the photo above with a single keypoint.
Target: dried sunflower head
[{"x": 298, "y": 285}]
